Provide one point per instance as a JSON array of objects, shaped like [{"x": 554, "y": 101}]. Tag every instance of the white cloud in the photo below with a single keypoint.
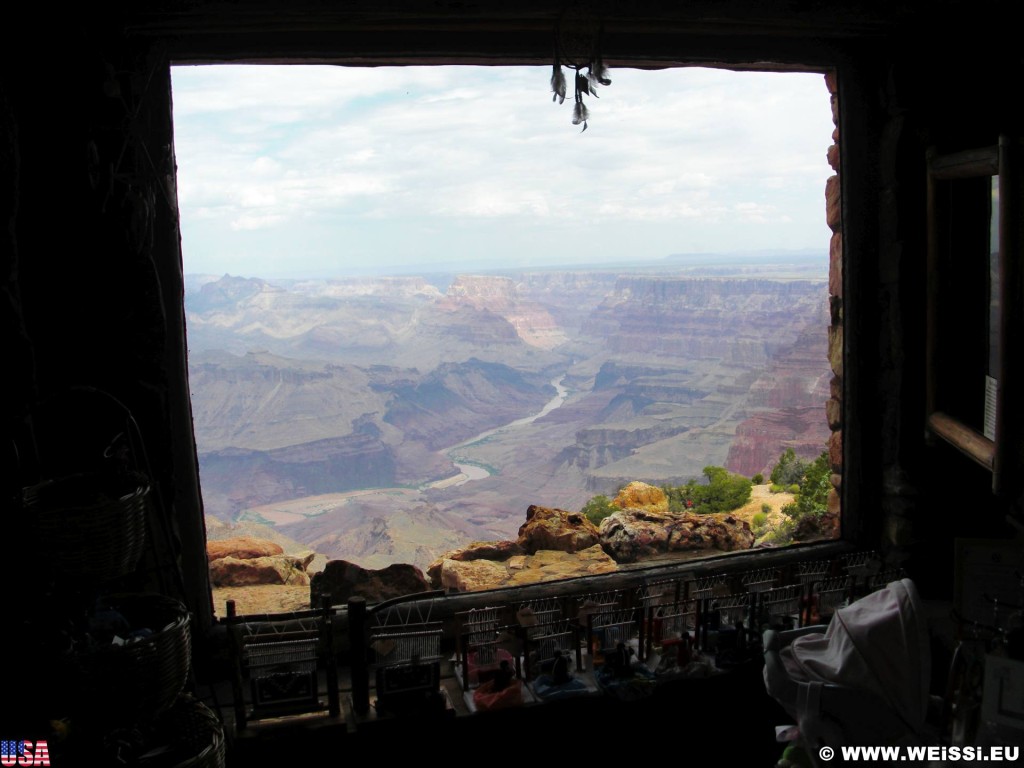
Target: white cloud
[
  {"x": 256, "y": 220},
  {"x": 738, "y": 158}
]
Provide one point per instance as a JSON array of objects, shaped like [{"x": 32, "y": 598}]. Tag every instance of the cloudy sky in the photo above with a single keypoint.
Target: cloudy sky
[{"x": 328, "y": 171}]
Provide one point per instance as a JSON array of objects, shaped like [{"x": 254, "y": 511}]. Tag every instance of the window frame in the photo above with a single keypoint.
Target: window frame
[
  {"x": 996, "y": 454},
  {"x": 855, "y": 532}
]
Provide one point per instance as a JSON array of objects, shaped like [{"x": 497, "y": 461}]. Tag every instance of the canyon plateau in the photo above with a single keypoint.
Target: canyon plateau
[{"x": 392, "y": 419}]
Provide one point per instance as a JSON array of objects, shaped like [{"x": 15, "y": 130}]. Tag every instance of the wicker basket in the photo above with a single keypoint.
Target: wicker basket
[
  {"x": 94, "y": 524},
  {"x": 136, "y": 682},
  {"x": 193, "y": 736}
]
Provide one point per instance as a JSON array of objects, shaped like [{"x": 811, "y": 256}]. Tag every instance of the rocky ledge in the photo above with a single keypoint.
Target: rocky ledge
[
  {"x": 558, "y": 544},
  {"x": 247, "y": 561},
  {"x": 552, "y": 544}
]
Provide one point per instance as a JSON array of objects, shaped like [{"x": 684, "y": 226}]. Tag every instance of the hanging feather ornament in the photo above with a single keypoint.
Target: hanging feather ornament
[
  {"x": 580, "y": 114},
  {"x": 578, "y": 43},
  {"x": 598, "y": 74},
  {"x": 558, "y": 83}
]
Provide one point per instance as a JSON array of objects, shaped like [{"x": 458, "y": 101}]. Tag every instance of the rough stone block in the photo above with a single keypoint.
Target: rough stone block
[
  {"x": 835, "y": 265},
  {"x": 835, "y": 450},
  {"x": 833, "y": 207},
  {"x": 834, "y": 503},
  {"x": 835, "y": 349},
  {"x": 834, "y": 413},
  {"x": 832, "y": 82}
]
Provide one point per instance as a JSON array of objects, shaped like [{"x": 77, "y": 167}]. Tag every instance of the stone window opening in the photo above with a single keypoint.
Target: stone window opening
[{"x": 833, "y": 407}]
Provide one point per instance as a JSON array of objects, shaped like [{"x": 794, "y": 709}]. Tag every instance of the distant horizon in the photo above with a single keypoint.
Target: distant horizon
[
  {"x": 803, "y": 258},
  {"x": 320, "y": 171}
]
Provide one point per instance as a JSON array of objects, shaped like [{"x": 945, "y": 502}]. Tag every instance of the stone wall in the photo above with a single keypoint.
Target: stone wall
[{"x": 834, "y": 218}]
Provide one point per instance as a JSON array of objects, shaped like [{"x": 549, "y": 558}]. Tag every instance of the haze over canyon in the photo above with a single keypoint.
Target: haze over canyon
[{"x": 390, "y": 419}]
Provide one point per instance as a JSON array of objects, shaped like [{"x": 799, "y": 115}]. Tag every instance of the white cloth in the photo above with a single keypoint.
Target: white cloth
[{"x": 866, "y": 677}]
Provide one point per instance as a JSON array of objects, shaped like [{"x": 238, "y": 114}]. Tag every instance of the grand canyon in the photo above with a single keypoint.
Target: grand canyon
[{"x": 390, "y": 419}]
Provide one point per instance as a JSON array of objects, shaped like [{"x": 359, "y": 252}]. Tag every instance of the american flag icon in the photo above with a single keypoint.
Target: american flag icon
[{"x": 11, "y": 748}]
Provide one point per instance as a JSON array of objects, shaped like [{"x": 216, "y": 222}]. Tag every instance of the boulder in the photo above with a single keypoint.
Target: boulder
[
  {"x": 468, "y": 575},
  {"x": 242, "y": 548},
  {"x": 271, "y": 569},
  {"x": 477, "y": 550},
  {"x": 637, "y": 534},
  {"x": 486, "y": 550},
  {"x": 550, "y": 565},
  {"x": 315, "y": 562},
  {"x": 547, "y": 528},
  {"x": 544, "y": 565},
  {"x": 341, "y": 580},
  {"x": 637, "y": 495}
]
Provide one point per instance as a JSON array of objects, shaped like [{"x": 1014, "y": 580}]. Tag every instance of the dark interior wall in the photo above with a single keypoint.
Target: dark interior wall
[
  {"x": 936, "y": 92},
  {"x": 93, "y": 287}
]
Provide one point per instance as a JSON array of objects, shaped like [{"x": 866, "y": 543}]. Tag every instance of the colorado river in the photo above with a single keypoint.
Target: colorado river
[{"x": 468, "y": 471}]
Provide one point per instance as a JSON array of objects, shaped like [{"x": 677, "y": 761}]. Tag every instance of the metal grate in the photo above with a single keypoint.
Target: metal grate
[
  {"x": 548, "y": 640},
  {"x": 266, "y": 659},
  {"x": 731, "y": 608},
  {"x": 832, "y": 593},
  {"x": 884, "y": 577},
  {"x": 403, "y": 647},
  {"x": 674, "y": 620},
  {"x": 783, "y": 601},
  {"x": 760, "y": 581},
  {"x": 812, "y": 570},
  {"x": 709, "y": 586},
  {"x": 610, "y": 628},
  {"x": 657, "y": 593}
]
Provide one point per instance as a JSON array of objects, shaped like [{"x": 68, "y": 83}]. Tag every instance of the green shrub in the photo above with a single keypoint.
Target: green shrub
[
  {"x": 811, "y": 503},
  {"x": 724, "y": 491},
  {"x": 805, "y": 513},
  {"x": 759, "y": 520},
  {"x": 766, "y": 508},
  {"x": 775, "y": 488},
  {"x": 757, "y": 479},
  {"x": 794, "y": 488},
  {"x": 598, "y": 508},
  {"x": 782, "y": 534}
]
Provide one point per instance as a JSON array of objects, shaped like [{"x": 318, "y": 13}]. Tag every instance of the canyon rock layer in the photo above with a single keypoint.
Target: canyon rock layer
[{"x": 391, "y": 420}]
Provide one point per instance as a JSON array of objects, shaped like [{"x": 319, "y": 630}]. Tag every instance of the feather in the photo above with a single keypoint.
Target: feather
[
  {"x": 557, "y": 84},
  {"x": 595, "y": 79},
  {"x": 580, "y": 114}
]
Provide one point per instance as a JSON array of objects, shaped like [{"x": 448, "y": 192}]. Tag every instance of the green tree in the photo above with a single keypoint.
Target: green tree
[
  {"x": 598, "y": 508},
  {"x": 676, "y": 497},
  {"x": 789, "y": 469}
]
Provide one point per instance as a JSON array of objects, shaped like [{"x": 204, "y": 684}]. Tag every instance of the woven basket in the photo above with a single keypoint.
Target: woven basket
[
  {"x": 136, "y": 682},
  {"x": 94, "y": 524},
  {"x": 193, "y": 735}
]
